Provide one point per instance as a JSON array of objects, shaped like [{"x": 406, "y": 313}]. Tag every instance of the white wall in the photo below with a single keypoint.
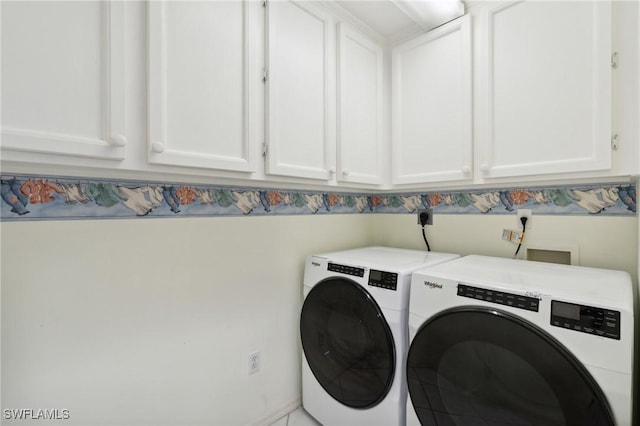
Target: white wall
[
  {"x": 151, "y": 321},
  {"x": 601, "y": 241}
]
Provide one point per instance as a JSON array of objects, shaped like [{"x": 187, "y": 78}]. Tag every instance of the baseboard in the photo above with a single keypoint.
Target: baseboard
[{"x": 278, "y": 413}]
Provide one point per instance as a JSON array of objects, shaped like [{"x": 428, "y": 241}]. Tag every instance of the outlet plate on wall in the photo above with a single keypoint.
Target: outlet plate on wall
[
  {"x": 254, "y": 362},
  {"x": 429, "y": 212}
]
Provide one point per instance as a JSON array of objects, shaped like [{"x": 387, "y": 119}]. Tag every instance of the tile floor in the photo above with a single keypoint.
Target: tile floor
[{"x": 299, "y": 417}]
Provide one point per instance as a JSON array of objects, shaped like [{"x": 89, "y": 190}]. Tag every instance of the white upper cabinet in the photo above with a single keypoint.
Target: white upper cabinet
[
  {"x": 545, "y": 88},
  {"x": 432, "y": 106},
  {"x": 202, "y": 69},
  {"x": 360, "y": 108},
  {"x": 300, "y": 124},
  {"x": 316, "y": 93},
  {"x": 63, "y": 79}
]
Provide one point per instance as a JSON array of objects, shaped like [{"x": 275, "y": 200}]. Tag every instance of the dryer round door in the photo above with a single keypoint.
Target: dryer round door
[
  {"x": 473, "y": 365},
  {"x": 347, "y": 343}
]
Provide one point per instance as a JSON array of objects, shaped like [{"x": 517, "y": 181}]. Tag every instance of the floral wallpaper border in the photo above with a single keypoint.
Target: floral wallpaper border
[{"x": 32, "y": 197}]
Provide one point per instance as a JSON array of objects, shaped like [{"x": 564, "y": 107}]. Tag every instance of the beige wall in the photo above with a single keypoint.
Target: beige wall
[
  {"x": 151, "y": 321},
  {"x": 601, "y": 241}
]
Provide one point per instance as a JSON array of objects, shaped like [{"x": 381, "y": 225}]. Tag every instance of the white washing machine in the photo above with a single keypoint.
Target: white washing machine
[
  {"x": 353, "y": 329},
  {"x": 502, "y": 341}
]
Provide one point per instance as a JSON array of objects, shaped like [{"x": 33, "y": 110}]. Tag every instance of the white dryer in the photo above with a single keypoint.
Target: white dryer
[
  {"x": 353, "y": 329},
  {"x": 502, "y": 341}
]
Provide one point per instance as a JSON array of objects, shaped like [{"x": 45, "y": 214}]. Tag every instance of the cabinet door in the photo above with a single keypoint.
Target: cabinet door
[
  {"x": 547, "y": 106},
  {"x": 432, "y": 106},
  {"x": 300, "y": 91},
  {"x": 63, "y": 78},
  {"x": 360, "y": 98},
  {"x": 200, "y": 95}
]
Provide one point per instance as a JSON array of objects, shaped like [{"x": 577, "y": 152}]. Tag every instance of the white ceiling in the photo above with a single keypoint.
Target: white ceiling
[
  {"x": 392, "y": 17},
  {"x": 382, "y": 16}
]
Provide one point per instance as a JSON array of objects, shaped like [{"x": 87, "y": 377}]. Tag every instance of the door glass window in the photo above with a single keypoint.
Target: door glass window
[
  {"x": 347, "y": 343},
  {"x": 475, "y": 366}
]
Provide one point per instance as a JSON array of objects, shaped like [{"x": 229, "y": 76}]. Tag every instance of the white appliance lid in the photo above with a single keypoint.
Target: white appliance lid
[
  {"x": 573, "y": 282},
  {"x": 388, "y": 258}
]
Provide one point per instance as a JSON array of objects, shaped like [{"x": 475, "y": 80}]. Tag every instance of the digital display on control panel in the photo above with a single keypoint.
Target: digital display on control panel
[
  {"x": 565, "y": 310},
  {"x": 382, "y": 279},
  {"x": 586, "y": 319}
]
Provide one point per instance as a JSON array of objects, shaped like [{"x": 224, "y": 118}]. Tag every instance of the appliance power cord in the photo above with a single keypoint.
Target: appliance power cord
[
  {"x": 424, "y": 218},
  {"x": 523, "y": 220}
]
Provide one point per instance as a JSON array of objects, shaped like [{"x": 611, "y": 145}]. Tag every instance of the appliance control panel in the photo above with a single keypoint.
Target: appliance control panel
[
  {"x": 382, "y": 279},
  {"x": 344, "y": 269},
  {"x": 586, "y": 319},
  {"x": 499, "y": 297}
]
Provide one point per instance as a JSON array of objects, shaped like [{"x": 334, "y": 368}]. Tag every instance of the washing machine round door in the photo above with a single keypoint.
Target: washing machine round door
[
  {"x": 472, "y": 365},
  {"x": 347, "y": 343}
]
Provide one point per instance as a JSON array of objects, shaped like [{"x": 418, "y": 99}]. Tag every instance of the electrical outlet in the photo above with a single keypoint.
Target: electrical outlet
[
  {"x": 428, "y": 212},
  {"x": 512, "y": 236},
  {"x": 524, "y": 213},
  {"x": 254, "y": 362}
]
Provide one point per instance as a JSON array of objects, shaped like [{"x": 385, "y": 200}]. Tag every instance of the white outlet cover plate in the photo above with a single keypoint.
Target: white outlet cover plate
[{"x": 254, "y": 362}]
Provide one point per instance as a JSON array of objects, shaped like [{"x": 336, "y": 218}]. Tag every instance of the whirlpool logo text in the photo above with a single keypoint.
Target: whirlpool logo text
[{"x": 432, "y": 285}]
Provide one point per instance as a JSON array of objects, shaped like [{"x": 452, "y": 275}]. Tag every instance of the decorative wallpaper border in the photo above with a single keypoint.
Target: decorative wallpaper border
[{"x": 30, "y": 197}]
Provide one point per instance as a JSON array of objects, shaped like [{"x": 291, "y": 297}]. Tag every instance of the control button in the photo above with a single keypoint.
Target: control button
[
  {"x": 498, "y": 297},
  {"x": 343, "y": 269},
  {"x": 594, "y": 321}
]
